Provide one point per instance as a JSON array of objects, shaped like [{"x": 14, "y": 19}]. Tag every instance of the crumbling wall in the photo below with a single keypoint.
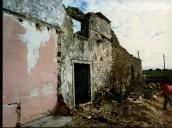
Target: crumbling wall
[
  {"x": 51, "y": 12},
  {"x": 102, "y": 60},
  {"x": 75, "y": 13},
  {"x": 31, "y": 38},
  {"x": 113, "y": 66},
  {"x": 100, "y": 25},
  {"x": 93, "y": 49},
  {"x": 126, "y": 70},
  {"x": 100, "y": 36},
  {"x": 97, "y": 45},
  {"x": 74, "y": 49},
  {"x": 40, "y": 49}
]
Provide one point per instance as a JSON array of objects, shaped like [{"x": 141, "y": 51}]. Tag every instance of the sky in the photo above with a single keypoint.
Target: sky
[{"x": 144, "y": 26}]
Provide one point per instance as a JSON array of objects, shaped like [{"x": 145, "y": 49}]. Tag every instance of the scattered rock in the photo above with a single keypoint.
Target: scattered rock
[{"x": 139, "y": 109}]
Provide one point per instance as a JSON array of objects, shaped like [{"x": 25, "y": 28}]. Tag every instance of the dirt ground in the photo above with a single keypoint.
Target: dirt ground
[
  {"x": 167, "y": 115},
  {"x": 130, "y": 113}
]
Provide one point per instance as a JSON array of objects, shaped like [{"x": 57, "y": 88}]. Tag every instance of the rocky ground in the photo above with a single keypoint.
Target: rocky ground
[{"x": 138, "y": 110}]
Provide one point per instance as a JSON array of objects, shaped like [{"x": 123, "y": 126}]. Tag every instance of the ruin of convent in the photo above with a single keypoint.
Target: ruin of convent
[{"x": 43, "y": 57}]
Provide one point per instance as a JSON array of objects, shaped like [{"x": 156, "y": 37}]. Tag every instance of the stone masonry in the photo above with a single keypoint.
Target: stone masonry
[{"x": 96, "y": 44}]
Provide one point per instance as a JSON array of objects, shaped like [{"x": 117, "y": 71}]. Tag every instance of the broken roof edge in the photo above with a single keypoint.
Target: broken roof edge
[
  {"x": 99, "y": 14},
  {"x": 126, "y": 51},
  {"x": 73, "y": 11},
  {"x": 114, "y": 38},
  {"x": 102, "y": 16}
]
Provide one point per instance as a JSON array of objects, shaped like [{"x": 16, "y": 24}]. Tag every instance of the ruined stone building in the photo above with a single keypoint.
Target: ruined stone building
[{"x": 43, "y": 57}]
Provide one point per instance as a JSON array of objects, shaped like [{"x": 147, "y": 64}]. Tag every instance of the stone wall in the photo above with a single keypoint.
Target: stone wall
[
  {"x": 100, "y": 25},
  {"x": 102, "y": 60},
  {"x": 126, "y": 70},
  {"x": 97, "y": 45},
  {"x": 74, "y": 49}
]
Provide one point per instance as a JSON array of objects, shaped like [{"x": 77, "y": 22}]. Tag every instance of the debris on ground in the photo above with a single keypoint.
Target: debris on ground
[{"x": 138, "y": 109}]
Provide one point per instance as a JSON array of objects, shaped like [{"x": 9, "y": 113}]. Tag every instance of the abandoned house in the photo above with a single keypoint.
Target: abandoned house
[{"x": 43, "y": 57}]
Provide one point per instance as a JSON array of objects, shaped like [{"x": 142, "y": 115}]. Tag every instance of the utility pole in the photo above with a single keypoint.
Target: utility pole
[
  {"x": 138, "y": 54},
  {"x": 164, "y": 60}
]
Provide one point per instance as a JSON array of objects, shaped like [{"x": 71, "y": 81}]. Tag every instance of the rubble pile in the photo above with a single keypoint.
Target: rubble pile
[
  {"x": 153, "y": 86},
  {"x": 134, "y": 111},
  {"x": 147, "y": 91},
  {"x": 141, "y": 110},
  {"x": 129, "y": 113}
]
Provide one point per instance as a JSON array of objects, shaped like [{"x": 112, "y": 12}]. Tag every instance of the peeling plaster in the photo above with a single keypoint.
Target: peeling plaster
[
  {"x": 49, "y": 11},
  {"x": 48, "y": 88},
  {"x": 33, "y": 39},
  {"x": 67, "y": 80},
  {"x": 65, "y": 90},
  {"x": 34, "y": 92},
  {"x": 6, "y": 106}
]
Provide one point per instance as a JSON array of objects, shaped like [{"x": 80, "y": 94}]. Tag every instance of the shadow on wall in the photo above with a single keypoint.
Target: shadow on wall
[{"x": 61, "y": 107}]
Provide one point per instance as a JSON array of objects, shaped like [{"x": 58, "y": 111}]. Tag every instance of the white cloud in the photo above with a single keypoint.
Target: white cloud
[{"x": 139, "y": 25}]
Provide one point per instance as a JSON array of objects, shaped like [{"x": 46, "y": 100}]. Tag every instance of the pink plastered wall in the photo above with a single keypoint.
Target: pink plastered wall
[{"x": 35, "y": 90}]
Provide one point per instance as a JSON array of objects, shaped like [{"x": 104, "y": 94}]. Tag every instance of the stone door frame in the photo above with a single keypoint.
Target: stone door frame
[{"x": 73, "y": 78}]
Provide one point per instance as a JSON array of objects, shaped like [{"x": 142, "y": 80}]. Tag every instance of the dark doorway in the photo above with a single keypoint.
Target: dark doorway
[{"x": 82, "y": 83}]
